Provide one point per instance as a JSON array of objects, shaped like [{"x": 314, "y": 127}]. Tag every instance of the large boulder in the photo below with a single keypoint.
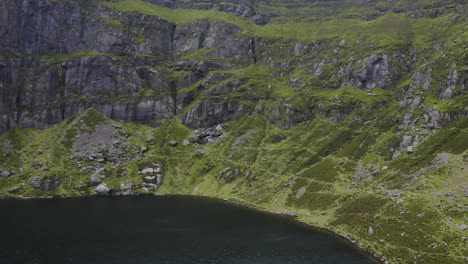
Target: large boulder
[
  {"x": 36, "y": 182},
  {"x": 45, "y": 184},
  {"x": 51, "y": 184}
]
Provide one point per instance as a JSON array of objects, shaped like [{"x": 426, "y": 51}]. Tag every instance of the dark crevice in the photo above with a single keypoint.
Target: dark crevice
[
  {"x": 173, "y": 43},
  {"x": 62, "y": 87},
  {"x": 20, "y": 83},
  {"x": 174, "y": 94},
  {"x": 18, "y": 108},
  {"x": 253, "y": 47},
  {"x": 173, "y": 89}
]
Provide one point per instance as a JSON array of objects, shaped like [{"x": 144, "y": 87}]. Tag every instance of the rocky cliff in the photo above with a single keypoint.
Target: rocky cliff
[{"x": 350, "y": 115}]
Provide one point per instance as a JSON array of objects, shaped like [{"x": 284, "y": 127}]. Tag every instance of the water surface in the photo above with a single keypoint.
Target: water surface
[{"x": 166, "y": 229}]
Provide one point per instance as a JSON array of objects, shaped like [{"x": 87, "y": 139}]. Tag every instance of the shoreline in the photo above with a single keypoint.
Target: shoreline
[{"x": 342, "y": 236}]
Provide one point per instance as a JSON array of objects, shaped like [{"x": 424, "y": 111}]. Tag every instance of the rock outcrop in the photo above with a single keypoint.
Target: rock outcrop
[
  {"x": 59, "y": 59},
  {"x": 45, "y": 184}
]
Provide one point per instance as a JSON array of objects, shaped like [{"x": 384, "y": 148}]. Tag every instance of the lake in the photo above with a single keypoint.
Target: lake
[{"x": 161, "y": 229}]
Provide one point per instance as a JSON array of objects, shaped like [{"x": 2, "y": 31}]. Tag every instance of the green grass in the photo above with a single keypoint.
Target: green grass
[
  {"x": 311, "y": 156},
  {"x": 179, "y": 16},
  {"x": 390, "y": 30},
  {"x": 53, "y": 59}
]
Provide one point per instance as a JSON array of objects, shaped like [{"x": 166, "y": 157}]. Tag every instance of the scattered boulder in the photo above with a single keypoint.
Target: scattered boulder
[
  {"x": 407, "y": 140},
  {"x": 45, "y": 184},
  {"x": 441, "y": 160},
  {"x": 433, "y": 246},
  {"x": 37, "y": 164},
  {"x": 143, "y": 150},
  {"x": 229, "y": 174},
  {"x": 186, "y": 143},
  {"x": 173, "y": 143},
  {"x": 148, "y": 187},
  {"x": 249, "y": 176},
  {"x": 5, "y": 174},
  {"x": 36, "y": 182},
  {"x": 222, "y": 173},
  {"x": 50, "y": 184},
  {"x": 102, "y": 189},
  {"x": 97, "y": 177},
  {"x": 152, "y": 175},
  {"x": 149, "y": 139},
  {"x": 370, "y": 230},
  {"x": 147, "y": 171},
  {"x": 15, "y": 190},
  {"x": 127, "y": 188},
  {"x": 301, "y": 192},
  {"x": 207, "y": 135}
]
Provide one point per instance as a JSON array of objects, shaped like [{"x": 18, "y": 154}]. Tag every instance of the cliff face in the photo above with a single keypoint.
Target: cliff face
[
  {"x": 349, "y": 114},
  {"x": 60, "y": 58}
]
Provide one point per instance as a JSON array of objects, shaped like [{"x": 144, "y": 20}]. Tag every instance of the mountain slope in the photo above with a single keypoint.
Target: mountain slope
[{"x": 350, "y": 115}]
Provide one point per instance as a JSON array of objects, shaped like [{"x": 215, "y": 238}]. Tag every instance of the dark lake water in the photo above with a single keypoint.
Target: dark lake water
[{"x": 166, "y": 229}]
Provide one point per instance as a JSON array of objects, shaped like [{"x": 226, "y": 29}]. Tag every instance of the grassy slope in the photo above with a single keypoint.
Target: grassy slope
[{"x": 317, "y": 156}]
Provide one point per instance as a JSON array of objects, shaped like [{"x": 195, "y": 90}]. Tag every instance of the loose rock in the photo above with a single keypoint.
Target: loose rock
[
  {"x": 97, "y": 177},
  {"x": 5, "y": 174},
  {"x": 15, "y": 190},
  {"x": 102, "y": 189},
  {"x": 36, "y": 182}
]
